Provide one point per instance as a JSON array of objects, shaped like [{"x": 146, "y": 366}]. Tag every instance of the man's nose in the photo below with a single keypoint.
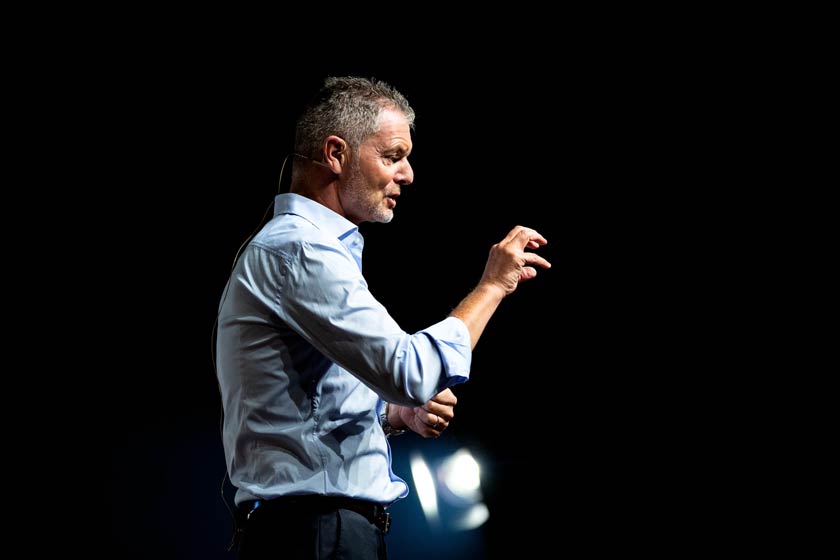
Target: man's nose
[{"x": 405, "y": 176}]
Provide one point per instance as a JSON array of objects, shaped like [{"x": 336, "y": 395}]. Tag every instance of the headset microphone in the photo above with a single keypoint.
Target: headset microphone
[{"x": 315, "y": 161}]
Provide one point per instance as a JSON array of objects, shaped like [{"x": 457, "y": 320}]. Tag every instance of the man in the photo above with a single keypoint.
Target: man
[{"x": 307, "y": 358}]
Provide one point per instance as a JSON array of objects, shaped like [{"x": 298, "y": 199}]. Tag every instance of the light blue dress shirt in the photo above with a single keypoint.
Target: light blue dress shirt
[{"x": 305, "y": 354}]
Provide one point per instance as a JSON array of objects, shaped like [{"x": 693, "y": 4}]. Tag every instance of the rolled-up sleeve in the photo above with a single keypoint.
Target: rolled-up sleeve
[{"x": 452, "y": 340}]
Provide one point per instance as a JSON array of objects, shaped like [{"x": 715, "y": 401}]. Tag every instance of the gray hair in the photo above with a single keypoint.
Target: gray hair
[{"x": 347, "y": 107}]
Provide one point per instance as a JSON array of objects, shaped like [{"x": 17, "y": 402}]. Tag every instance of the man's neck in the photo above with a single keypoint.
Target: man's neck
[{"x": 325, "y": 194}]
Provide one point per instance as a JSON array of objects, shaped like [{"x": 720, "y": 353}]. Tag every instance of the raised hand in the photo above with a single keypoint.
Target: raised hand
[{"x": 509, "y": 263}]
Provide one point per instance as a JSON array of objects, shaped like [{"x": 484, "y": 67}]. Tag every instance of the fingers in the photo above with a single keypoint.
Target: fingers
[
  {"x": 533, "y": 258},
  {"x": 442, "y": 405},
  {"x": 527, "y": 272},
  {"x": 428, "y": 424},
  {"x": 445, "y": 397},
  {"x": 432, "y": 412},
  {"x": 524, "y": 237},
  {"x": 528, "y": 238},
  {"x": 435, "y": 416}
]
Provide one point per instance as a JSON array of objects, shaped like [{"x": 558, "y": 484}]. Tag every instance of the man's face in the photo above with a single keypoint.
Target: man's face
[{"x": 378, "y": 171}]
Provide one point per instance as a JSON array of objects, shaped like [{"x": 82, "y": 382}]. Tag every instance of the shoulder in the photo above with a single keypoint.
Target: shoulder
[{"x": 287, "y": 235}]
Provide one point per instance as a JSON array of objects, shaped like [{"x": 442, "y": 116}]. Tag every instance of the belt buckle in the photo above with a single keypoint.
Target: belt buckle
[{"x": 383, "y": 521}]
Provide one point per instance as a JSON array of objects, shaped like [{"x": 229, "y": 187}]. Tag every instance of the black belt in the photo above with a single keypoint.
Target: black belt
[{"x": 312, "y": 503}]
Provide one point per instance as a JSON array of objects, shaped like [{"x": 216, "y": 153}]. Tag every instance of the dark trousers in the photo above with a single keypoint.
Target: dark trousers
[{"x": 282, "y": 531}]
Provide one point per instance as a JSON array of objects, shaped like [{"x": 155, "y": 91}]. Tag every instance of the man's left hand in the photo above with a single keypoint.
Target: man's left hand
[{"x": 428, "y": 420}]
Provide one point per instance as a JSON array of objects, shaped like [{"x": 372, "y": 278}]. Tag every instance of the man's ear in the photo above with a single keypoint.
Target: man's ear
[{"x": 335, "y": 153}]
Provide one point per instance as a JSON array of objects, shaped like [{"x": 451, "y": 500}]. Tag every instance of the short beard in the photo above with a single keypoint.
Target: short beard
[{"x": 357, "y": 192}]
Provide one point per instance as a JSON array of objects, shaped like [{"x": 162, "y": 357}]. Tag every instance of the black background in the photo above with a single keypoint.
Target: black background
[{"x": 566, "y": 395}]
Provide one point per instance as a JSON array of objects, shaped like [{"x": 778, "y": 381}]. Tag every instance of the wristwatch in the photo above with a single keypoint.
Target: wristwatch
[{"x": 387, "y": 427}]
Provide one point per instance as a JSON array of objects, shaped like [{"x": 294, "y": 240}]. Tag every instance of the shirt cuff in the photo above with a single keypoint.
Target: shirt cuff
[{"x": 452, "y": 340}]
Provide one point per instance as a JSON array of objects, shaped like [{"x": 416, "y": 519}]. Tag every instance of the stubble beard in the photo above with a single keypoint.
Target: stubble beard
[{"x": 372, "y": 204}]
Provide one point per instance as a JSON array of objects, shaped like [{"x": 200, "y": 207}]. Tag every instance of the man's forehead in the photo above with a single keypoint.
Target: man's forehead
[{"x": 393, "y": 124}]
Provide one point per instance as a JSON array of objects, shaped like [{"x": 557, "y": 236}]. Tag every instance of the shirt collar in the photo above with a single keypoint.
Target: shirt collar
[{"x": 316, "y": 213}]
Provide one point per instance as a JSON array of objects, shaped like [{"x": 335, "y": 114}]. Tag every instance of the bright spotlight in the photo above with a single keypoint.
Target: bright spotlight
[
  {"x": 425, "y": 485},
  {"x": 461, "y": 476}
]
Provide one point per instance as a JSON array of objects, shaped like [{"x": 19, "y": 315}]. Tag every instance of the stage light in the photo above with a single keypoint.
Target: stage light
[
  {"x": 460, "y": 475},
  {"x": 450, "y": 498},
  {"x": 424, "y": 483}
]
